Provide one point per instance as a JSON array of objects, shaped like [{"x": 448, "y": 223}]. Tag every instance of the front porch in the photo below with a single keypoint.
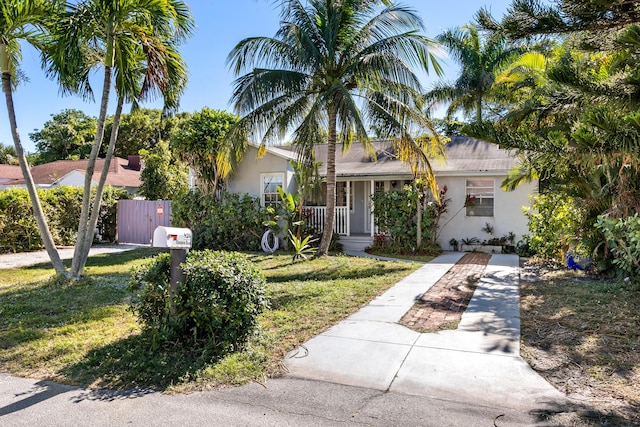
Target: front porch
[{"x": 354, "y": 214}]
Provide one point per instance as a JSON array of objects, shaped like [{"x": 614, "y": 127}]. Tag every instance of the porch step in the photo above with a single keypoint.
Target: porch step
[{"x": 355, "y": 243}]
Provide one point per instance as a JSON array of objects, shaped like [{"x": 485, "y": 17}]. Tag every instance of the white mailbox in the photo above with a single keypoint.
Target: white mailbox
[{"x": 172, "y": 237}]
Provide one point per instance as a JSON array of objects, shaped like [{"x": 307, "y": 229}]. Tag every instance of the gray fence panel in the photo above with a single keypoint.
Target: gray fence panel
[{"x": 138, "y": 218}]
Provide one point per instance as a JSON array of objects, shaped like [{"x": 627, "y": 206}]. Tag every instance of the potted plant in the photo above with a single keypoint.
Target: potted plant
[{"x": 454, "y": 244}]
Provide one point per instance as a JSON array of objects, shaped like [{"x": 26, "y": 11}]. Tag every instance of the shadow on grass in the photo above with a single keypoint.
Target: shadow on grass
[
  {"x": 30, "y": 311},
  {"x": 135, "y": 363}
]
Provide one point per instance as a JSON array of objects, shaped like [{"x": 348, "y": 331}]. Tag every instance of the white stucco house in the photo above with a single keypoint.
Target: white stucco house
[{"x": 472, "y": 169}]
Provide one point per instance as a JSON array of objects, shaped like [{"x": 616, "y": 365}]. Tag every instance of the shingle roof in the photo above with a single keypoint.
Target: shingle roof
[
  {"x": 464, "y": 155},
  {"x": 120, "y": 175},
  {"x": 9, "y": 173}
]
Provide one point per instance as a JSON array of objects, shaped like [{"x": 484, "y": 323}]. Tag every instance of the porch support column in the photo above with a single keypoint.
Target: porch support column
[
  {"x": 373, "y": 226},
  {"x": 348, "y": 219}
]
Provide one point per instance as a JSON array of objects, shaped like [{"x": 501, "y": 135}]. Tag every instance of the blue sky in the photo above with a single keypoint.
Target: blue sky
[{"x": 221, "y": 24}]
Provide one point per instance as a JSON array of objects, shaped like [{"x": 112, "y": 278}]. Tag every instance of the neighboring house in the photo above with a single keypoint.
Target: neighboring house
[
  {"x": 9, "y": 173},
  {"x": 122, "y": 173},
  {"x": 473, "y": 169}
]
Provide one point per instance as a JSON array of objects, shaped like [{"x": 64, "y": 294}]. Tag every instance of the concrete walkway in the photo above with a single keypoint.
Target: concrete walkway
[{"x": 479, "y": 362}]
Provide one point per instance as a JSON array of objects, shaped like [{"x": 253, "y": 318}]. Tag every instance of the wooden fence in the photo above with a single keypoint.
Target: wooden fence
[{"x": 137, "y": 219}]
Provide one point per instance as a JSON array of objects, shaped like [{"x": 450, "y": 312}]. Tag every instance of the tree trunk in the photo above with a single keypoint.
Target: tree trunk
[
  {"x": 91, "y": 164},
  {"x": 479, "y": 110},
  {"x": 43, "y": 228},
  {"x": 327, "y": 233},
  {"x": 95, "y": 209}
]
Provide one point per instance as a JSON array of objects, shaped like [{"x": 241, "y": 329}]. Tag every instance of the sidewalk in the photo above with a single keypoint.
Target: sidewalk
[{"x": 479, "y": 362}]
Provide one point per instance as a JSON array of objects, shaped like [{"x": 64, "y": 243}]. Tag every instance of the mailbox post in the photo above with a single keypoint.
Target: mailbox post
[{"x": 178, "y": 240}]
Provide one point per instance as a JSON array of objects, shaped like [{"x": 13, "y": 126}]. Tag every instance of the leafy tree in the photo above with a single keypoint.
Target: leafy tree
[
  {"x": 162, "y": 178},
  {"x": 139, "y": 130},
  {"x": 527, "y": 18},
  {"x": 8, "y": 155},
  {"x": 24, "y": 20},
  {"x": 336, "y": 64},
  {"x": 481, "y": 59},
  {"x": 68, "y": 135},
  {"x": 201, "y": 141},
  {"x": 136, "y": 44},
  {"x": 576, "y": 121}
]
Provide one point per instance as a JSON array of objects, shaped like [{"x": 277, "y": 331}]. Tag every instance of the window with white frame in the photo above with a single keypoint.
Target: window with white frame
[
  {"x": 480, "y": 196},
  {"x": 269, "y": 183}
]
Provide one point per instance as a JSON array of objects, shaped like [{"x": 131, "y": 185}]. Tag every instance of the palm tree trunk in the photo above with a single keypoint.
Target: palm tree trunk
[
  {"x": 43, "y": 228},
  {"x": 95, "y": 209},
  {"x": 327, "y": 233},
  {"x": 479, "y": 110},
  {"x": 83, "y": 231}
]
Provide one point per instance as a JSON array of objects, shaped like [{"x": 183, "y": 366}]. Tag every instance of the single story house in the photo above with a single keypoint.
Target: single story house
[
  {"x": 473, "y": 169},
  {"x": 122, "y": 173}
]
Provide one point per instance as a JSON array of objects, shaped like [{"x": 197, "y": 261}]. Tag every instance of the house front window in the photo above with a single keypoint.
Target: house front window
[
  {"x": 269, "y": 183},
  {"x": 480, "y": 196}
]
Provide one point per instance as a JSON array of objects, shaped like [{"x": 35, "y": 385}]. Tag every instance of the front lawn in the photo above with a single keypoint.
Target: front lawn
[{"x": 86, "y": 334}]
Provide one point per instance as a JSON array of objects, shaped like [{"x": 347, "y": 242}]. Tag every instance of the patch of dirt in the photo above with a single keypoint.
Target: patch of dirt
[{"x": 580, "y": 332}]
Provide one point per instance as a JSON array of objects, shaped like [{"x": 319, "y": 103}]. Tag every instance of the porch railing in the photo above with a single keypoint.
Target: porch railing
[{"x": 316, "y": 216}]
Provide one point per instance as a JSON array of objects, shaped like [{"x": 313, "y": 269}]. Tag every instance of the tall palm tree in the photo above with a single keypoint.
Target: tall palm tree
[
  {"x": 336, "y": 65},
  {"x": 135, "y": 41},
  {"x": 480, "y": 59},
  {"x": 24, "y": 20}
]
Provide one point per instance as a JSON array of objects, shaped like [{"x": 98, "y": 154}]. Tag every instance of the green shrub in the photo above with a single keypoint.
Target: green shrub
[
  {"x": 233, "y": 222},
  {"x": 396, "y": 219},
  {"x": 623, "y": 240},
  {"x": 217, "y": 305},
  {"x": 61, "y": 206},
  {"x": 150, "y": 282},
  {"x": 554, "y": 223}
]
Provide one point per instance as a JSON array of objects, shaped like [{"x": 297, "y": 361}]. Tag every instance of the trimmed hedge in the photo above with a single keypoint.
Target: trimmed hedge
[{"x": 61, "y": 206}]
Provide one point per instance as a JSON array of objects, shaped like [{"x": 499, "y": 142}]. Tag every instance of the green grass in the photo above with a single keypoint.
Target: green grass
[{"x": 85, "y": 333}]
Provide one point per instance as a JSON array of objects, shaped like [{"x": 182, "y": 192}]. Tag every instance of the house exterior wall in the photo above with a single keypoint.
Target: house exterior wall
[
  {"x": 508, "y": 215},
  {"x": 246, "y": 178}
]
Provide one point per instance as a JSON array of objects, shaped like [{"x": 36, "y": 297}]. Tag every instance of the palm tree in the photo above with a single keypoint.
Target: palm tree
[
  {"x": 136, "y": 41},
  {"x": 337, "y": 64},
  {"x": 480, "y": 59},
  {"x": 24, "y": 20}
]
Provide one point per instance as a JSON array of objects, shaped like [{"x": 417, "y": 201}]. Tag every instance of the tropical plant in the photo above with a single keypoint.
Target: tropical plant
[
  {"x": 201, "y": 141},
  {"x": 332, "y": 65},
  {"x": 301, "y": 247},
  {"x": 575, "y": 119},
  {"x": 481, "y": 59},
  {"x": 8, "y": 155},
  {"x": 136, "y": 44},
  {"x": 25, "y": 20}
]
